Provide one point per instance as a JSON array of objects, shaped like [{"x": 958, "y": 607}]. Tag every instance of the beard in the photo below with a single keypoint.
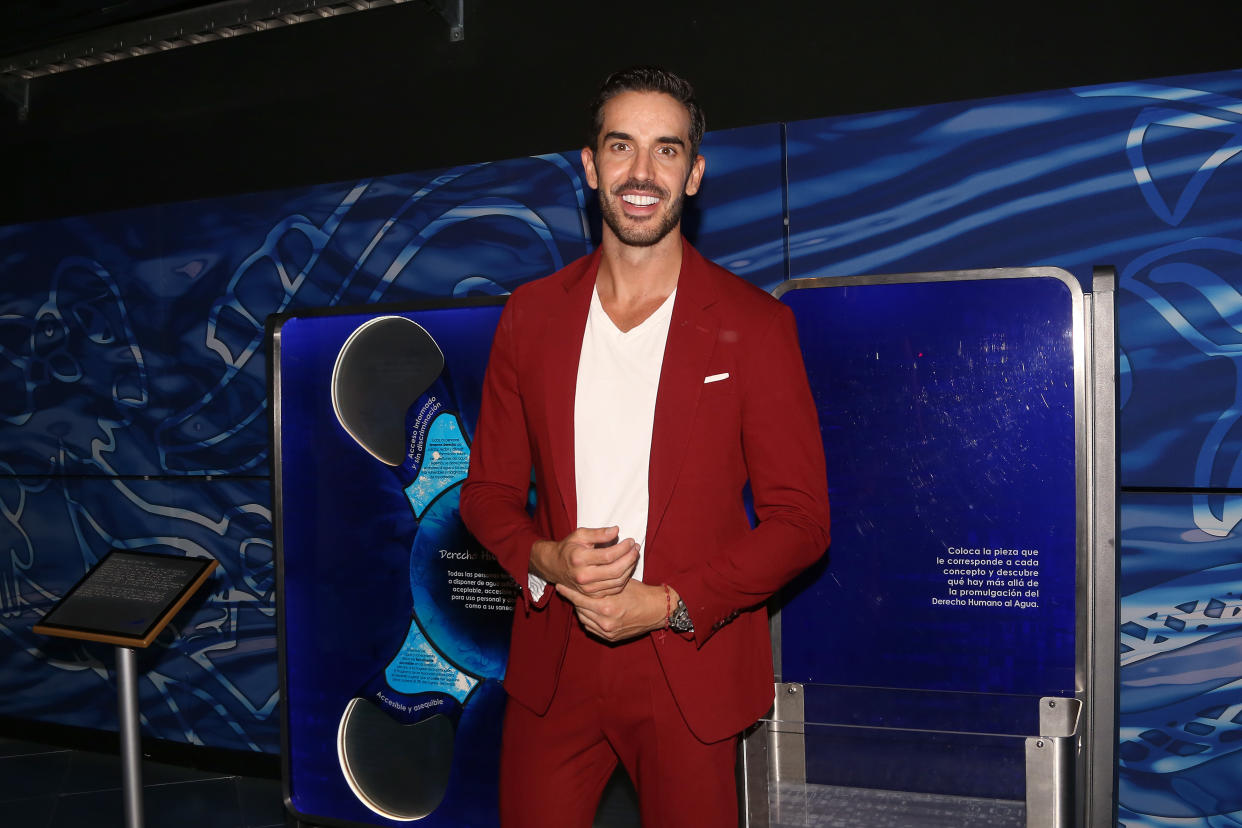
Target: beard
[{"x": 642, "y": 232}]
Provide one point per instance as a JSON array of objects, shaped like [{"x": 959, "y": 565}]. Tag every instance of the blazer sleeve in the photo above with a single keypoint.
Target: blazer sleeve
[
  {"x": 784, "y": 459},
  {"x": 495, "y": 495}
]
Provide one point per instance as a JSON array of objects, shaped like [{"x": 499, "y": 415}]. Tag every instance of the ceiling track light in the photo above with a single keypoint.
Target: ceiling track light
[{"x": 194, "y": 27}]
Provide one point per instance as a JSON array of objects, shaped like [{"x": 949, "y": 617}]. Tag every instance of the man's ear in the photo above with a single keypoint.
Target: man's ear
[
  {"x": 588, "y": 167},
  {"x": 696, "y": 175}
]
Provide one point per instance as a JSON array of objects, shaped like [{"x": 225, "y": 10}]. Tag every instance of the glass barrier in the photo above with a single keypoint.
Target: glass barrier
[
  {"x": 836, "y": 806},
  {"x": 862, "y": 756}
]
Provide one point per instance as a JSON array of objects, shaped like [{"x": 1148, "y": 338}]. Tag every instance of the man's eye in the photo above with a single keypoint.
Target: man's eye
[
  {"x": 669, "y": 151},
  {"x": 620, "y": 146}
]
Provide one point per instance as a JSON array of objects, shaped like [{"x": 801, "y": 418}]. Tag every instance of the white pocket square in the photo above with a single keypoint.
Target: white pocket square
[{"x": 716, "y": 378}]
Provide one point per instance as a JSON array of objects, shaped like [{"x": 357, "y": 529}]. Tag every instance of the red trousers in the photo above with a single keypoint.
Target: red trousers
[{"x": 612, "y": 704}]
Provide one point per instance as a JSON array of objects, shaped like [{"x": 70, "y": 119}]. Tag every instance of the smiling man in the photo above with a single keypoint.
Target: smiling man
[{"x": 645, "y": 387}]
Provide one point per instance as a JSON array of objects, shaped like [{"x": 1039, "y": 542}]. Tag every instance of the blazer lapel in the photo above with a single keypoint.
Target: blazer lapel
[
  {"x": 691, "y": 340},
  {"x": 566, "y": 325}
]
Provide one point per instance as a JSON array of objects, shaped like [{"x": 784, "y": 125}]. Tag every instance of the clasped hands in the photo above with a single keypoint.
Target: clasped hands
[{"x": 591, "y": 569}]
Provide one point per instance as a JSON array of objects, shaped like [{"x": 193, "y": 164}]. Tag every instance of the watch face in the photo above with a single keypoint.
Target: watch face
[{"x": 680, "y": 621}]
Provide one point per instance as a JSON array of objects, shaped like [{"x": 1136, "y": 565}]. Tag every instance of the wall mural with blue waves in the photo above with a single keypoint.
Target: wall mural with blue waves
[
  {"x": 135, "y": 413},
  {"x": 132, "y": 367},
  {"x": 1180, "y": 752},
  {"x": 133, "y": 392}
]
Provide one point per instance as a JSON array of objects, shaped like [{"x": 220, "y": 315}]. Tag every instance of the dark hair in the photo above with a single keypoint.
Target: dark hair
[{"x": 647, "y": 79}]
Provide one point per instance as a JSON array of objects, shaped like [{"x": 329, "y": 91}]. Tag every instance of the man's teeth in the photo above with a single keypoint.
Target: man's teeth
[{"x": 639, "y": 200}]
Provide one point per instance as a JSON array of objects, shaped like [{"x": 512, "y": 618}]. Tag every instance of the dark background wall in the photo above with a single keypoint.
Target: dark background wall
[{"x": 313, "y": 102}]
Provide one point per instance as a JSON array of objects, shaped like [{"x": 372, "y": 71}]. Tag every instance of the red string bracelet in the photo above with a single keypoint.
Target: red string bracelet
[{"x": 668, "y": 607}]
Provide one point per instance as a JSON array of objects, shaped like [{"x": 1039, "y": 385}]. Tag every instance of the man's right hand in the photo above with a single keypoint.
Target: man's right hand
[{"x": 590, "y": 561}]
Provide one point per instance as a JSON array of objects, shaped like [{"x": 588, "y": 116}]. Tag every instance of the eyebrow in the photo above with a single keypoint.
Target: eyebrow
[{"x": 624, "y": 136}]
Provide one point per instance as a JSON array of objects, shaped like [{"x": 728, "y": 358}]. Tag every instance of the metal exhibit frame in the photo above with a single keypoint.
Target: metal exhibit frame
[{"x": 1071, "y": 762}]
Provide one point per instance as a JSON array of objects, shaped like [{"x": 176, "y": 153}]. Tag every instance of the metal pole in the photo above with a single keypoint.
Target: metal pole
[
  {"x": 1098, "y": 796},
  {"x": 753, "y": 787},
  {"x": 131, "y": 752},
  {"x": 1050, "y": 765}
]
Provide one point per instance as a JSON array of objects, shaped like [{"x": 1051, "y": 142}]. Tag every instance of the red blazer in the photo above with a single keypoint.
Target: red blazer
[{"x": 708, "y": 439}]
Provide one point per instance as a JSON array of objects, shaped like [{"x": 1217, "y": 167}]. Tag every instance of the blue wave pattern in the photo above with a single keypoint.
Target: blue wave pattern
[
  {"x": 1185, "y": 299},
  {"x": 1180, "y": 752},
  {"x": 738, "y": 217},
  {"x": 205, "y": 679},
  {"x": 133, "y": 406},
  {"x": 133, "y": 390},
  {"x": 467, "y": 230}
]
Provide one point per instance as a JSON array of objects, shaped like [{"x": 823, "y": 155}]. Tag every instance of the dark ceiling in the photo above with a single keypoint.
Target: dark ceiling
[
  {"x": 27, "y": 25},
  {"x": 396, "y": 89}
]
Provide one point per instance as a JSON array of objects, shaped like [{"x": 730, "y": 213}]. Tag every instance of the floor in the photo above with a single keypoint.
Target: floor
[
  {"x": 828, "y": 806},
  {"x": 42, "y": 786},
  {"x": 51, "y": 787}
]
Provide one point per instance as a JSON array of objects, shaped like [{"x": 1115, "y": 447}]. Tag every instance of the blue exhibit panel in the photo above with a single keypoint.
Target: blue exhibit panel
[
  {"x": 945, "y": 607},
  {"x": 947, "y": 411},
  {"x": 389, "y": 608}
]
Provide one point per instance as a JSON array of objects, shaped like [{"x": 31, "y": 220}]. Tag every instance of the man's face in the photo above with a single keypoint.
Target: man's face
[{"x": 642, "y": 167}]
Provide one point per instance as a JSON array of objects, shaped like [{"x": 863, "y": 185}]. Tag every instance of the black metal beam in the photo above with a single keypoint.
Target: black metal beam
[{"x": 232, "y": 18}]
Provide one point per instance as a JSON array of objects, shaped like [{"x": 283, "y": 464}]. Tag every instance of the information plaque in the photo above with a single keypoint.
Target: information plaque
[
  {"x": 373, "y": 413},
  {"x": 127, "y": 598}
]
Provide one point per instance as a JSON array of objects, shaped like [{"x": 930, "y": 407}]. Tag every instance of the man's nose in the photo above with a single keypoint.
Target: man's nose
[{"x": 642, "y": 169}]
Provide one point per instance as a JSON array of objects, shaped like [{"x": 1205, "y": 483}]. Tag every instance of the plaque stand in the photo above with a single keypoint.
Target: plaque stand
[
  {"x": 127, "y": 599},
  {"x": 131, "y": 753}
]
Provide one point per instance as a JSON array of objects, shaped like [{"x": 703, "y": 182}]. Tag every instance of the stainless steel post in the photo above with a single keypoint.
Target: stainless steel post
[
  {"x": 131, "y": 750},
  {"x": 1098, "y": 766},
  {"x": 1050, "y": 765},
  {"x": 753, "y": 789}
]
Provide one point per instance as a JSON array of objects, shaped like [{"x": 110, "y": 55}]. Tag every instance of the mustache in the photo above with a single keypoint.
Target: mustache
[{"x": 635, "y": 185}]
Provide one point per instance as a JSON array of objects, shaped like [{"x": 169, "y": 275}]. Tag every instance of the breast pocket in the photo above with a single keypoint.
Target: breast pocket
[{"x": 716, "y": 435}]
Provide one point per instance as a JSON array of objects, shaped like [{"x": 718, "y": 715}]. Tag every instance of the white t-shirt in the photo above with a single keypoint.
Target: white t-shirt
[{"x": 614, "y": 409}]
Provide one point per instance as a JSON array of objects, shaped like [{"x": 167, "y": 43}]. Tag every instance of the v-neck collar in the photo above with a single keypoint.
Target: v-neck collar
[{"x": 659, "y": 316}]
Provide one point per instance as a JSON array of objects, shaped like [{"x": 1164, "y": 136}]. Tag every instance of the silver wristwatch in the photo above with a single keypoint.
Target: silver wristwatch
[{"x": 680, "y": 621}]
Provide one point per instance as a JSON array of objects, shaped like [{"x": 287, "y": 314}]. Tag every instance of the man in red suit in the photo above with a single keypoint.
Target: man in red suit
[{"x": 645, "y": 386}]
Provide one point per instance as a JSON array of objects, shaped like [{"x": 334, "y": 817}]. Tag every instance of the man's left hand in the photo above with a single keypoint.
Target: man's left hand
[{"x": 637, "y": 609}]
